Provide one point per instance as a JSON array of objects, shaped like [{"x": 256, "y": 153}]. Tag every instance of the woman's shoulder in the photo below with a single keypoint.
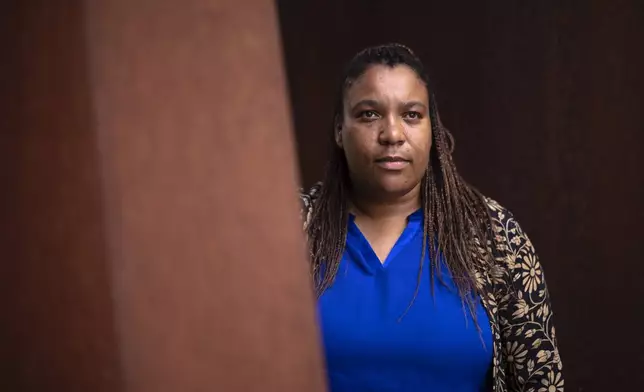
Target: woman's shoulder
[
  {"x": 513, "y": 251},
  {"x": 498, "y": 213},
  {"x": 508, "y": 234}
]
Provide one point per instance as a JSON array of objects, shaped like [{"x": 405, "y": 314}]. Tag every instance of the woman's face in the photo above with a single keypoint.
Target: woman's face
[{"x": 386, "y": 132}]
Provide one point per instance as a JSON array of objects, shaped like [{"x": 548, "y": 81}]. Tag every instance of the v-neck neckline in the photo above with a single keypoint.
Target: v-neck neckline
[{"x": 368, "y": 256}]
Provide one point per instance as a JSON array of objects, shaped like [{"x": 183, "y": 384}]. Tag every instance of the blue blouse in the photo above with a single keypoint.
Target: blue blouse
[{"x": 369, "y": 347}]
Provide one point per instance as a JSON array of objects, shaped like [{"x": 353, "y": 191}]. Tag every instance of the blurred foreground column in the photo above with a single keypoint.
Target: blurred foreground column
[{"x": 150, "y": 225}]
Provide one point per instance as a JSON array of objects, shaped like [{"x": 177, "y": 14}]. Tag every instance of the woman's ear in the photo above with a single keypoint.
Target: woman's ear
[
  {"x": 338, "y": 132},
  {"x": 338, "y": 136}
]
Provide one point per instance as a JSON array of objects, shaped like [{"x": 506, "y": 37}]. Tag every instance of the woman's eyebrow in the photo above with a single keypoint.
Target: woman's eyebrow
[{"x": 365, "y": 102}]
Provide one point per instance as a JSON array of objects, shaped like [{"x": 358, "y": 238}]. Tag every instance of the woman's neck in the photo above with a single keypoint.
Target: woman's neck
[{"x": 385, "y": 208}]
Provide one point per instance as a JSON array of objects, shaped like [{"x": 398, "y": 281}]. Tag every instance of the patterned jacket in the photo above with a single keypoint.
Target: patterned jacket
[{"x": 516, "y": 299}]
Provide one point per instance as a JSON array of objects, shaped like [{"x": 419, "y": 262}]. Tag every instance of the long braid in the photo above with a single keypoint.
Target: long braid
[
  {"x": 455, "y": 215},
  {"x": 327, "y": 231}
]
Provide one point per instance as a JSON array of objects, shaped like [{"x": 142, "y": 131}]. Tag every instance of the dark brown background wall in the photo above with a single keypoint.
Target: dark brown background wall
[{"x": 546, "y": 100}]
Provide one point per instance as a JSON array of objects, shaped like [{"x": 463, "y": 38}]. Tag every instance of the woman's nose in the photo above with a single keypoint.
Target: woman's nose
[{"x": 392, "y": 132}]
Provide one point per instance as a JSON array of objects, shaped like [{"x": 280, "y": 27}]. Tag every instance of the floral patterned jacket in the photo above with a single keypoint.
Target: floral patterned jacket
[{"x": 516, "y": 299}]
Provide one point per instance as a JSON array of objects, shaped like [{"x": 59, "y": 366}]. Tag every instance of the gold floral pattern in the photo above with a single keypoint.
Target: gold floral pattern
[
  {"x": 531, "y": 272},
  {"x": 516, "y": 299},
  {"x": 553, "y": 383},
  {"x": 516, "y": 354},
  {"x": 528, "y": 358}
]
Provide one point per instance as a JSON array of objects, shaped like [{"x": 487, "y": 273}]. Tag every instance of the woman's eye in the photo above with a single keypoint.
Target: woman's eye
[
  {"x": 413, "y": 115},
  {"x": 368, "y": 114}
]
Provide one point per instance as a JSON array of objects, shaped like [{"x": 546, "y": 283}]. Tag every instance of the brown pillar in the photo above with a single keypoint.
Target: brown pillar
[{"x": 150, "y": 226}]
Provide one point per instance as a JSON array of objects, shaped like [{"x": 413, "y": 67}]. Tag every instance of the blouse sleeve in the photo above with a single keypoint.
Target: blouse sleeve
[{"x": 529, "y": 345}]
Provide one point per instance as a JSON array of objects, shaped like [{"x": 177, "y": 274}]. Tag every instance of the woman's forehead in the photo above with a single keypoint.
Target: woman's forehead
[{"x": 391, "y": 83}]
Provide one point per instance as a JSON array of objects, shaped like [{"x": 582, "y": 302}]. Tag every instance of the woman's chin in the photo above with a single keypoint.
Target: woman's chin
[{"x": 396, "y": 186}]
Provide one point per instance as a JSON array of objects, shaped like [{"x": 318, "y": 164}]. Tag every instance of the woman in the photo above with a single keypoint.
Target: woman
[{"x": 424, "y": 284}]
